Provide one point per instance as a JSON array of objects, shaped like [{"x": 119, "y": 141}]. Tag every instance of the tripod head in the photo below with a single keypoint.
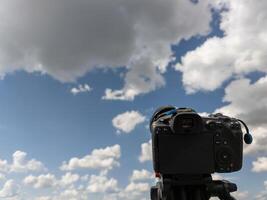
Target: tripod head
[{"x": 192, "y": 187}]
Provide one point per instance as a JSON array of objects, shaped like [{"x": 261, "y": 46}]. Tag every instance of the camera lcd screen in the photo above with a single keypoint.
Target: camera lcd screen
[{"x": 186, "y": 154}]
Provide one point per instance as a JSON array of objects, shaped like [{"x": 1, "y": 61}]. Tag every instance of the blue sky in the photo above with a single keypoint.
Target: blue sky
[{"x": 124, "y": 62}]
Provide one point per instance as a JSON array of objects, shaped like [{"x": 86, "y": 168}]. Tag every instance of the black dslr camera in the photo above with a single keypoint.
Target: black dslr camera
[{"x": 183, "y": 142}]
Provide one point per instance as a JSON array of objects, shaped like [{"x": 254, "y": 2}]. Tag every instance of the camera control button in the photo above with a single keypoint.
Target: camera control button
[
  {"x": 228, "y": 169},
  {"x": 235, "y": 125},
  {"x": 158, "y": 130},
  {"x": 225, "y": 142},
  {"x": 217, "y": 134},
  {"x": 224, "y": 156},
  {"x": 217, "y": 142},
  {"x": 165, "y": 129}
]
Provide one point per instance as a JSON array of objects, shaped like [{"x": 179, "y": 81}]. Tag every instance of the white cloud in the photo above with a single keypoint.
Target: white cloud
[
  {"x": 2, "y": 177},
  {"x": 102, "y": 159},
  {"x": 102, "y": 184},
  {"x": 132, "y": 191},
  {"x": 69, "y": 179},
  {"x": 77, "y": 186},
  {"x": 126, "y": 122},
  {"x": 260, "y": 165},
  {"x": 10, "y": 189},
  {"x": 42, "y": 181},
  {"x": 146, "y": 151},
  {"x": 4, "y": 166},
  {"x": 72, "y": 194},
  {"x": 21, "y": 164},
  {"x": 217, "y": 176},
  {"x": 80, "y": 89},
  {"x": 204, "y": 114},
  {"x": 137, "y": 187},
  {"x": 69, "y": 194},
  {"x": 43, "y": 198},
  {"x": 142, "y": 78},
  {"x": 241, "y": 50},
  {"x": 241, "y": 195},
  {"x": 263, "y": 194},
  {"x": 248, "y": 101},
  {"x": 141, "y": 175},
  {"x": 43, "y": 36},
  {"x": 135, "y": 191}
]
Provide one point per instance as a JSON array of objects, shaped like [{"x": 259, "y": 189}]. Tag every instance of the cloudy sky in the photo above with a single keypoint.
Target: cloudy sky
[{"x": 80, "y": 80}]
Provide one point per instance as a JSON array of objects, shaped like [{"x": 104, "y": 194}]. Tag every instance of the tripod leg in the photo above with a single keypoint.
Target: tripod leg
[
  {"x": 183, "y": 194},
  {"x": 176, "y": 194},
  {"x": 154, "y": 193},
  {"x": 198, "y": 195}
]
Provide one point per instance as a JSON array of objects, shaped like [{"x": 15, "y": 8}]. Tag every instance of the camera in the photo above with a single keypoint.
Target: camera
[{"x": 183, "y": 142}]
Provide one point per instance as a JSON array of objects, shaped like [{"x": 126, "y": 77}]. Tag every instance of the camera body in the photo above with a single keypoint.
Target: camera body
[{"x": 183, "y": 142}]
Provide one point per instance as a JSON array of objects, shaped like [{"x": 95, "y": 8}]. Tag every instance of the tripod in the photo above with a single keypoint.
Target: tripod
[{"x": 191, "y": 187}]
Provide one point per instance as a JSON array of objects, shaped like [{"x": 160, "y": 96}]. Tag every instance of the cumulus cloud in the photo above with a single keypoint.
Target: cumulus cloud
[
  {"x": 146, "y": 151},
  {"x": 260, "y": 165},
  {"x": 141, "y": 175},
  {"x": 42, "y": 181},
  {"x": 101, "y": 159},
  {"x": 263, "y": 194},
  {"x": 126, "y": 122},
  {"x": 69, "y": 193},
  {"x": 67, "y": 39},
  {"x": 80, "y": 89},
  {"x": 240, "y": 51},
  {"x": 102, "y": 184},
  {"x": 4, "y": 166},
  {"x": 75, "y": 186},
  {"x": 50, "y": 181},
  {"x": 135, "y": 191},
  {"x": 9, "y": 190},
  {"x": 137, "y": 187},
  {"x": 132, "y": 191},
  {"x": 217, "y": 176},
  {"x": 69, "y": 179},
  {"x": 241, "y": 195},
  {"x": 43, "y": 198},
  {"x": 244, "y": 195},
  {"x": 72, "y": 194},
  {"x": 2, "y": 177},
  {"x": 98, "y": 185},
  {"x": 248, "y": 101},
  {"x": 21, "y": 164}
]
